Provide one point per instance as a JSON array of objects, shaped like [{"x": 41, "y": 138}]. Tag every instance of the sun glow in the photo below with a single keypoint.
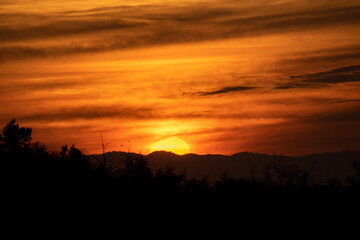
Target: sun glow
[{"x": 172, "y": 144}]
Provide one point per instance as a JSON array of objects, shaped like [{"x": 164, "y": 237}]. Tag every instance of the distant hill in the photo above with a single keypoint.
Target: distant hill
[{"x": 324, "y": 166}]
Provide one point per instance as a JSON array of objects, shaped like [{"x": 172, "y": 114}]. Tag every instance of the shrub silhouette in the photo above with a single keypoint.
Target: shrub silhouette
[
  {"x": 355, "y": 180},
  {"x": 72, "y": 165},
  {"x": 197, "y": 186},
  {"x": 238, "y": 187},
  {"x": 167, "y": 180}
]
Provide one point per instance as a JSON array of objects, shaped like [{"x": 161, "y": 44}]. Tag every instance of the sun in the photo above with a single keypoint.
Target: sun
[{"x": 172, "y": 144}]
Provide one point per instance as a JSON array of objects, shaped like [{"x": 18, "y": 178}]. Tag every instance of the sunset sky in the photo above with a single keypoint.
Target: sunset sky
[{"x": 222, "y": 76}]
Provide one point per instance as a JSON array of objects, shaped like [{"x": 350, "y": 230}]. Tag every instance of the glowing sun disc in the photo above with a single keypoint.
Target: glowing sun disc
[{"x": 172, "y": 144}]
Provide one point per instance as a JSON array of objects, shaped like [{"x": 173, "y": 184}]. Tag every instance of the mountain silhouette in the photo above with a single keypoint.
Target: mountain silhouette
[{"x": 323, "y": 166}]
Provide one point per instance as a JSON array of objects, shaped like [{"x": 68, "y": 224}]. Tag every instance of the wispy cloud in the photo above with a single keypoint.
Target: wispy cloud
[
  {"x": 321, "y": 79},
  {"x": 338, "y": 75},
  {"x": 347, "y": 100},
  {"x": 115, "y": 112},
  {"x": 226, "y": 90},
  {"x": 91, "y": 112},
  {"x": 61, "y": 28}
]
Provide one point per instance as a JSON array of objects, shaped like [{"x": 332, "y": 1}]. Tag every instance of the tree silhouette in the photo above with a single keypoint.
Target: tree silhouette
[
  {"x": 281, "y": 173},
  {"x": 14, "y": 139}
]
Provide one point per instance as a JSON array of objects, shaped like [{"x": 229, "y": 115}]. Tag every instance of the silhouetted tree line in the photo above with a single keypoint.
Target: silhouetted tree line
[{"x": 29, "y": 167}]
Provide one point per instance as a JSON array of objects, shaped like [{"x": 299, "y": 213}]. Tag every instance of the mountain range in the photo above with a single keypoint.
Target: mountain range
[{"x": 322, "y": 167}]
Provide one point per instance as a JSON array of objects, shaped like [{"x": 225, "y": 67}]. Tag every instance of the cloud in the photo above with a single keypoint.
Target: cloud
[
  {"x": 90, "y": 112},
  {"x": 106, "y": 112},
  {"x": 341, "y": 114},
  {"x": 295, "y": 21},
  {"x": 347, "y": 100},
  {"x": 104, "y": 29},
  {"x": 64, "y": 28},
  {"x": 41, "y": 86},
  {"x": 28, "y": 52},
  {"x": 322, "y": 79},
  {"x": 337, "y": 54},
  {"x": 338, "y": 75},
  {"x": 226, "y": 90}
]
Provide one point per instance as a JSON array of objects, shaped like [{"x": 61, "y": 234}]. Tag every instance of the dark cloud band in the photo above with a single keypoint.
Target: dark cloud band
[
  {"x": 321, "y": 79},
  {"x": 226, "y": 90},
  {"x": 111, "y": 29}
]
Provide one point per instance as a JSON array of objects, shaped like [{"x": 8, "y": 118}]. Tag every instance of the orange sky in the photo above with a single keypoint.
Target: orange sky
[{"x": 222, "y": 75}]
